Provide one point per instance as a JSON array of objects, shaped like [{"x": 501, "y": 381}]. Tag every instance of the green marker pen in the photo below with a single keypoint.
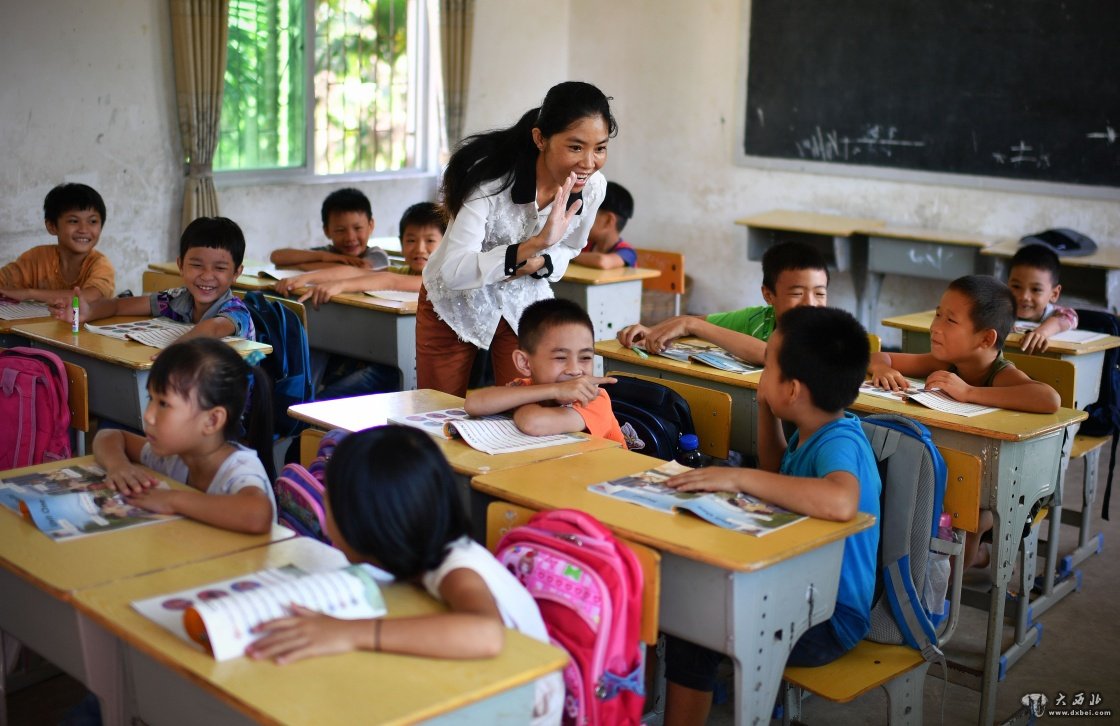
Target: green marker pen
[{"x": 75, "y": 319}]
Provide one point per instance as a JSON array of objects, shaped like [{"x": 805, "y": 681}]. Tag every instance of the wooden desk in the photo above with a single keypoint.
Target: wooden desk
[
  {"x": 740, "y": 386},
  {"x": 613, "y": 298},
  {"x": 175, "y": 683},
  {"x": 118, "y": 369},
  {"x": 870, "y": 249},
  {"x": 748, "y": 597},
  {"x": 1095, "y": 277},
  {"x": 363, "y": 412},
  {"x": 352, "y": 324},
  {"x": 9, "y": 339},
  {"x": 1087, "y": 358},
  {"x": 38, "y": 579}
]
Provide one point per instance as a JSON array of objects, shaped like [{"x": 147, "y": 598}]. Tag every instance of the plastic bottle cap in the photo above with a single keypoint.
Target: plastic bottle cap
[{"x": 689, "y": 442}]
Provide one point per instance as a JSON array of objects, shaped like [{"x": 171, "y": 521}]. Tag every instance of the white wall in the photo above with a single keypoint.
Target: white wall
[{"x": 87, "y": 94}]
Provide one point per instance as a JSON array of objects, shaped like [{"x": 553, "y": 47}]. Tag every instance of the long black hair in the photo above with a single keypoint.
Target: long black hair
[
  {"x": 216, "y": 375},
  {"x": 394, "y": 499},
  {"x": 496, "y": 154}
]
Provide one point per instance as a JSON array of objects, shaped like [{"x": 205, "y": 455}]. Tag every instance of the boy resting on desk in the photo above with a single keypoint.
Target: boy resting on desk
[
  {"x": 556, "y": 354},
  {"x": 347, "y": 223},
  {"x": 605, "y": 247},
  {"x": 74, "y": 213},
  {"x": 793, "y": 275},
  {"x": 210, "y": 254},
  {"x": 966, "y": 362},
  {"x": 1033, "y": 279},
  {"x": 815, "y": 363},
  {"x": 421, "y": 229}
]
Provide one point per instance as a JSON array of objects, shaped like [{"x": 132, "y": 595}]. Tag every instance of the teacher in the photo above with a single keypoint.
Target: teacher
[{"x": 521, "y": 202}]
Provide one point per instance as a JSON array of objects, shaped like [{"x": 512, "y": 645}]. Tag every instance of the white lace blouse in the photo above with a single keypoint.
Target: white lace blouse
[{"x": 465, "y": 277}]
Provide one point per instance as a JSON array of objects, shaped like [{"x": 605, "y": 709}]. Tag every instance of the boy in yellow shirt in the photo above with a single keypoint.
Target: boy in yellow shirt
[{"x": 74, "y": 213}]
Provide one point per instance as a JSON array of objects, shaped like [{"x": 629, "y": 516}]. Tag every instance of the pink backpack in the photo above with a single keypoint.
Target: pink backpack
[
  {"x": 589, "y": 590},
  {"x": 34, "y": 408},
  {"x": 299, "y": 502}
]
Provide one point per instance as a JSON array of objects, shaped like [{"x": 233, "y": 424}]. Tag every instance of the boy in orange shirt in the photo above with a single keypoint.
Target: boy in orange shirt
[
  {"x": 74, "y": 213},
  {"x": 558, "y": 395}
]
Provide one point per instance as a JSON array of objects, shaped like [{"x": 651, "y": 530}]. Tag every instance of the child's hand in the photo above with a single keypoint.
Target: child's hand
[
  {"x": 582, "y": 390},
  {"x": 321, "y": 293},
  {"x": 712, "y": 479},
  {"x": 632, "y": 334},
  {"x": 290, "y": 284},
  {"x": 950, "y": 384},
  {"x": 160, "y": 501},
  {"x": 130, "y": 479},
  {"x": 662, "y": 335},
  {"x": 1034, "y": 341},
  {"x": 348, "y": 260},
  {"x": 62, "y": 309},
  {"x": 888, "y": 378},
  {"x": 304, "y": 634}
]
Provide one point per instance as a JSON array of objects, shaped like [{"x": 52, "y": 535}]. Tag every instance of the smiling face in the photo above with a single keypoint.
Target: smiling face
[
  {"x": 1034, "y": 289},
  {"x": 795, "y": 288},
  {"x": 581, "y": 148},
  {"x": 418, "y": 243},
  {"x": 207, "y": 274},
  {"x": 952, "y": 335},
  {"x": 77, "y": 230},
  {"x": 564, "y": 352},
  {"x": 349, "y": 232}
]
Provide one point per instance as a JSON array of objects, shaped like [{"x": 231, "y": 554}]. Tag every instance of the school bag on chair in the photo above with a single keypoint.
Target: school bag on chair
[
  {"x": 289, "y": 364},
  {"x": 913, "y": 475},
  {"x": 300, "y": 491},
  {"x": 656, "y": 414},
  {"x": 1104, "y": 414},
  {"x": 34, "y": 408},
  {"x": 589, "y": 590}
]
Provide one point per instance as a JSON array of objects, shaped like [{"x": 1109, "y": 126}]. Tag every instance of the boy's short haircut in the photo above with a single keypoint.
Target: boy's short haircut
[
  {"x": 424, "y": 214},
  {"x": 619, "y": 201},
  {"x": 1039, "y": 257},
  {"x": 346, "y": 200},
  {"x": 543, "y": 315},
  {"x": 827, "y": 350},
  {"x": 217, "y": 233},
  {"x": 790, "y": 256},
  {"x": 993, "y": 304},
  {"x": 69, "y": 197}
]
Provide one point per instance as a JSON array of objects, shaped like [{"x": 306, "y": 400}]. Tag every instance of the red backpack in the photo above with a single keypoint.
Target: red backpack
[
  {"x": 589, "y": 590},
  {"x": 34, "y": 408}
]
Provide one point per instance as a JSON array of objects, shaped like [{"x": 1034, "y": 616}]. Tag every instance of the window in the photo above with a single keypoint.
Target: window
[{"x": 347, "y": 96}]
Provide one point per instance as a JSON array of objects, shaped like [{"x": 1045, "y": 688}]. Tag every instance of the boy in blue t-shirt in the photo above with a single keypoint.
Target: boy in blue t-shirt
[
  {"x": 605, "y": 247},
  {"x": 815, "y": 362}
]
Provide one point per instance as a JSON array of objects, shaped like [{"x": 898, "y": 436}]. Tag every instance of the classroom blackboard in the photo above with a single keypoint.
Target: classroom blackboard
[{"x": 1019, "y": 89}]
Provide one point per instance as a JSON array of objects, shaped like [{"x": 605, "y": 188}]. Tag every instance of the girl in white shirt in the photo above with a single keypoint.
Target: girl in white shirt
[
  {"x": 522, "y": 201},
  {"x": 392, "y": 501}
]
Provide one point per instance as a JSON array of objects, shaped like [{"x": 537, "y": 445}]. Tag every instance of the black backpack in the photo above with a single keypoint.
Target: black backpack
[
  {"x": 657, "y": 414},
  {"x": 1104, "y": 415},
  {"x": 289, "y": 364}
]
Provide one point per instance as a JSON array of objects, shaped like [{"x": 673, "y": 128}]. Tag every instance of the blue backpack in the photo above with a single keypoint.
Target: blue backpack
[
  {"x": 289, "y": 365},
  {"x": 1104, "y": 414},
  {"x": 914, "y": 478},
  {"x": 656, "y": 414}
]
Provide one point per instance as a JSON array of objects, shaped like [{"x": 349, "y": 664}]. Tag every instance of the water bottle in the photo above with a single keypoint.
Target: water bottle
[
  {"x": 937, "y": 575},
  {"x": 688, "y": 451}
]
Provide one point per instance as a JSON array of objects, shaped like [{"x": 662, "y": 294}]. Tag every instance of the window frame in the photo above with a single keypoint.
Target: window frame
[{"x": 422, "y": 106}]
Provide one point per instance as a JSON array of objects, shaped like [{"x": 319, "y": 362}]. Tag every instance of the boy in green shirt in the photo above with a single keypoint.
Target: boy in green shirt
[{"x": 793, "y": 275}]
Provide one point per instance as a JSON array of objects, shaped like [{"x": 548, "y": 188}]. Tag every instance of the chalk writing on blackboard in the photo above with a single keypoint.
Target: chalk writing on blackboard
[
  {"x": 1023, "y": 154},
  {"x": 875, "y": 141},
  {"x": 1109, "y": 134}
]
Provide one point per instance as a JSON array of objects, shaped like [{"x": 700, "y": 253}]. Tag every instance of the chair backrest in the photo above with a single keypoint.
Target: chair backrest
[
  {"x": 711, "y": 412},
  {"x": 154, "y": 281},
  {"x": 78, "y": 400},
  {"x": 874, "y": 343},
  {"x": 671, "y": 265},
  {"x": 1057, "y": 373},
  {"x": 294, "y": 305}
]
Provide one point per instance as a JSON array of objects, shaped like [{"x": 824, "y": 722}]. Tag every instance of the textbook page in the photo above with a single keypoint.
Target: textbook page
[
  {"x": 270, "y": 271},
  {"x": 430, "y": 422},
  {"x": 1066, "y": 336},
  {"x": 11, "y": 310},
  {"x": 934, "y": 399},
  {"x": 154, "y": 332},
  {"x": 735, "y": 511},
  {"x": 500, "y": 435},
  {"x": 404, "y": 296}
]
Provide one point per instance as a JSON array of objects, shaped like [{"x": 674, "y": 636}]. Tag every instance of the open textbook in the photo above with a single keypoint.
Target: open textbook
[
  {"x": 404, "y": 296},
  {"x": 73, "y": 502},
  {"x": 12, "y": 310},
  {"x": 739, "y": 512},
  {"x": 709, "y": 355},
  {"x": 490, "y": 434},
  {"x": 220, "y": 616},
  {"x": 1066, "y": 336},
  {"x": 154, "y": 332},
  {"x": 934, "y": 399},
  {"x": 269, "y": 271}
]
